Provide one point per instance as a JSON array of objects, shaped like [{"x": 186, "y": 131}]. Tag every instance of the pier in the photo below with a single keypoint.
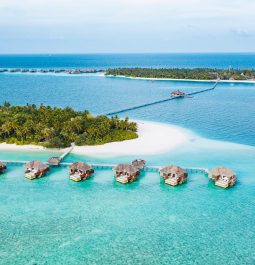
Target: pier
[
  {"x": 156, "y": 169},
  {"x": 162, "y": 100},
  {"x": 67, "y": 152}
]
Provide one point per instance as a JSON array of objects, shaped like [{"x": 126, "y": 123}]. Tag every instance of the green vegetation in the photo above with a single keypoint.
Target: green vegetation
[
  {"x": 56, "y": 127},
  {"x": 177, "y": 73}
]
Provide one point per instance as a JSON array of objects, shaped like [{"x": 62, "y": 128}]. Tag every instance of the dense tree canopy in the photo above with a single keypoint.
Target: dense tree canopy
[
  {"x": 56, "y": 127},
  {"x": 183, "y": 73}
]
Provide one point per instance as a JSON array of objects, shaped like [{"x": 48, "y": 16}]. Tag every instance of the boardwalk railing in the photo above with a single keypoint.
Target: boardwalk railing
[
  {"x": 68, "y": 151},
  {"x": 198, "y": 170},
  {"x": 160, "y": 101}
]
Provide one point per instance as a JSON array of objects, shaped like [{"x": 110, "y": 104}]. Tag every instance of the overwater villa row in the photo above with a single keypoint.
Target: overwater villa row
[
  {"x": 67, "y": 71},
  {"x": 172, "y": 175}
]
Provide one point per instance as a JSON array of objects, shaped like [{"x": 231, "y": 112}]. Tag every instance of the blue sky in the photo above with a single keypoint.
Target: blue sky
[{"x": 82, "y": 26}]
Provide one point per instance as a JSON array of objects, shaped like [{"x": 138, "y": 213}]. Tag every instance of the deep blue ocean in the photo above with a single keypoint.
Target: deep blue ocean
[
  {"x": 55, "y": 221},
  {"x": 216, "y": 60}
]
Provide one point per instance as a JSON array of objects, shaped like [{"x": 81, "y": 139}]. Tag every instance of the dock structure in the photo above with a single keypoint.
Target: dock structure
[
  {"x": 161, "y": 100},
  {"x": 156, "y": 169},
  {"x": 67, "y": 152}
]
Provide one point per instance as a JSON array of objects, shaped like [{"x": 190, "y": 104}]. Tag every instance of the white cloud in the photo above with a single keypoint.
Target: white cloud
[
  {"x": 91, "y": 22},
  {"x": 98, "y": 11}
]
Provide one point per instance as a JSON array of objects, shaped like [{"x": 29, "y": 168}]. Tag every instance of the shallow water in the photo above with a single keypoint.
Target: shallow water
[{"x": 56, "y": 221}]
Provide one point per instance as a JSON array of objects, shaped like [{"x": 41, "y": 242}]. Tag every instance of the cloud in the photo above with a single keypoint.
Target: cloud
[{"x": 152, "y": 23}]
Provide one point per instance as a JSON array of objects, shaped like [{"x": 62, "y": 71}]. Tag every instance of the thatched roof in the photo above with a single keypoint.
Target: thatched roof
[
  {"x": 54, "y": 160},
  {"x": 80, "y": 166},
  {"x": 126, "y": 168},
  {"x": 173, "y": 169},
  {"x": 2, "y": 165},
  {"x": 139, "y": 163},
  {"x": 221, "y": 171},
  {"x": 37, "y": 165}
]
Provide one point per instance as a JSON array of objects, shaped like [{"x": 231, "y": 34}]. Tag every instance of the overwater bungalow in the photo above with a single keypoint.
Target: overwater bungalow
[
  {"x": 14, "y": 70},
  {"x": 126, "y": 173},
  {"x": 44, "y": 71},
  {"x": 177, "y": 93},
  {"x": 173, "y": 175},
  {"x": 35, "y": 169},
  {"x": 79, "y": 171},
  {"x": 2, "y": 167},
  {"x": 139, "y": 164},
  {"x": 223, "y": 177},
  {"x": 24, "y": 70},
  {"x": 75, "y": 72},
  {"x": 54, "y": 161}
]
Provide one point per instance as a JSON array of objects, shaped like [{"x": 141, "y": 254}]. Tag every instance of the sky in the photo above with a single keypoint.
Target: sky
[{"x": 128, "y": 26}]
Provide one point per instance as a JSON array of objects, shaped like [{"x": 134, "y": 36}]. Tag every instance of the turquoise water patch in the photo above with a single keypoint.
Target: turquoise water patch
[{"x": 53, "y": 220}]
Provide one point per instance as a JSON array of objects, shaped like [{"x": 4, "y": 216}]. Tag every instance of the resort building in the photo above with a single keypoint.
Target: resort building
[
  {"x": 173, "y": 175},
  {"x": 177, "y": 93},
  {"x": 139, "y": 164},
  {"x": 35, "y": 169},
  {"x": 54, "y": 161},
  {"x": 79, "y": 171},
  {"x": 126, "y": 173},
  {"x": 2, "y": 167},
  {"x": 222, "y": 177}
]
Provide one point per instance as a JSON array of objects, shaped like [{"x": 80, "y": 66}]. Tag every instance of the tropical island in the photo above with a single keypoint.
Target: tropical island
[
  {"x": 183, "y": 73},
  {"x": 54, "y": 127}
]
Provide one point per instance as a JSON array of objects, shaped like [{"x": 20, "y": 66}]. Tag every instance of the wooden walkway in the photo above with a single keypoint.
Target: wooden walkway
[
  {"x": 67, "y": 152},
  {"x": 161, "y": 101},
  {"x": 111, "y": 166}
]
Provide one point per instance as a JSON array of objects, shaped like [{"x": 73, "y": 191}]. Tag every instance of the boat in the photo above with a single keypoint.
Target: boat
[
  {"x": 173, "y": 175},
  {"x": 79, "y": 171},
  {"x": 223, "y": 177},
  {"x": 35, "y": 169}
]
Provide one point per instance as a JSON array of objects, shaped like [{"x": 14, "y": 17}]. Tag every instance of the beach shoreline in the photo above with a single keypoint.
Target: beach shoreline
[
  {"x": 180, "y": 80},
  {"x": 153, "y": 138}
]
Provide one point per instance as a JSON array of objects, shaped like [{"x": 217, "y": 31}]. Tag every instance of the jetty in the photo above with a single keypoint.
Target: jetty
[
  {"x": 163, "y": 100},
  {"x": 56, "y": 160},
  {"x": 198, "y": 170}
]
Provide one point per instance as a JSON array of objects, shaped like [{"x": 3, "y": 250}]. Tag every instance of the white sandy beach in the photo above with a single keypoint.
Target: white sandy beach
[
  {"x": 14, "y": 147},
  {"x": 181, "y": 80},
  {"x": 154, "y": 138}
]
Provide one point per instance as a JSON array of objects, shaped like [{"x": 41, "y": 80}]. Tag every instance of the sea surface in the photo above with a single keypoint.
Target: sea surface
[{"x": 55, "y": 221}]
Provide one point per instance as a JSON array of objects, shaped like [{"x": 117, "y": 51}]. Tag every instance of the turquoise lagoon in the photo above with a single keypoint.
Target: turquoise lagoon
[{"x": 56, "y": 221}]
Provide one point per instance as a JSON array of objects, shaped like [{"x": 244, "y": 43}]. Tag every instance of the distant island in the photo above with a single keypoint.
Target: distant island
[
  {"x": 54, "y": 127},
  {"x": 183, "y": 73}
]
